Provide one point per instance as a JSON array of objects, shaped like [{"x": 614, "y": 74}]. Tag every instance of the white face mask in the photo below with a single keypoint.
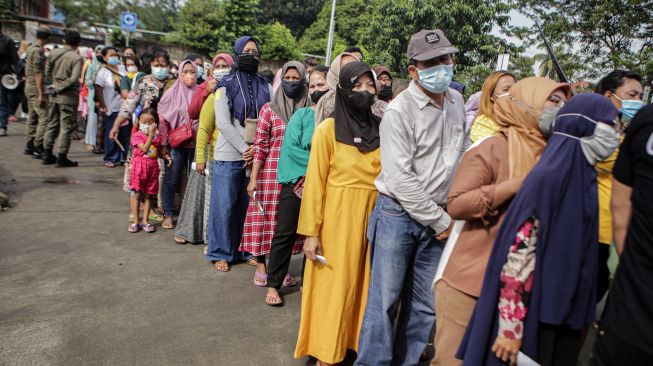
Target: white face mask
[
  {"x": 132, "y": 69},
  {"x": 600, "y": 145},
  {"x": 218, "y": 74},
  {"x": 144, "y": 128}
]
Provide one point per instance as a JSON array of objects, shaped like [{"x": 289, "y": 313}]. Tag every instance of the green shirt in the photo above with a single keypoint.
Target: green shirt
[{"x": 296, "y": 147}]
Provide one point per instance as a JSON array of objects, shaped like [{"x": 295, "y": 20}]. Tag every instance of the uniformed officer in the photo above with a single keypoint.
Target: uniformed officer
[
  {"x": 62, "y": 70},
  {"x": 37, "y": 112}
]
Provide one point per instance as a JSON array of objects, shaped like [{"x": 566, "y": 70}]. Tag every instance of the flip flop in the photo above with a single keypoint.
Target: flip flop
[
  {"x": 272, "y": 301},
  {"x": 289, "y": 281},
  {"x": 167, "y": 225},
  {"x": 262, "y": 277},
  {"x": 180, "y": 241},
  {"x": 148, "y": 228},
  {"x": 134, "y": 228}
]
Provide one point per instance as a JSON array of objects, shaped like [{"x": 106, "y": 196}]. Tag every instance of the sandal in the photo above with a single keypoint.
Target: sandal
[
  {"x": 134, "y": 228},
  {"x": 109, "y": 164},
  {"x": 289, "y": 281},
  {"x": 260, "y": 279},
  {"x": 252, "y": 261},
  {"x": 167, "y": 222},
  {"x": 148, "y": 228},
  {"x": 180, "y": 240},
  {"x": 222, "y": 266},
  {"x": 273, "y": 301},
  {"x": 155, "y": 217}
]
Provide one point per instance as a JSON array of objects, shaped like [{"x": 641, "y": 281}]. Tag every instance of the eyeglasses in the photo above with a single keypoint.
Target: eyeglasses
[
  {"x": 384, "y": 79},
  {"x": 250, "y": 53},
  {"x": 556, "y": 99}
]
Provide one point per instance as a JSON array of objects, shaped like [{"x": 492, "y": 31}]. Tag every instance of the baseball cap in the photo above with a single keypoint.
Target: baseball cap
[{"x": 428, "y": 44}]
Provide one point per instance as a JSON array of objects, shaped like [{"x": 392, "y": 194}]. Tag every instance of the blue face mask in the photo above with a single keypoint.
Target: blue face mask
[
  {"x": 629, "y": 109},
  {"x": 160, "y": 72},
  {"x": 114, "y": 60},
  {"x": 436, "y": 79}
]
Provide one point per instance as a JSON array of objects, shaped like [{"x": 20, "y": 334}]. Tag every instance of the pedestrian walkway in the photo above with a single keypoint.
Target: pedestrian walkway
[{"x": 77, "y": 289}]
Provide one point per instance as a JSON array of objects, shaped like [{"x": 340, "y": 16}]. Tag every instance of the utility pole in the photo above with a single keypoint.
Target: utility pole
[{"x": 332, "y": 26}]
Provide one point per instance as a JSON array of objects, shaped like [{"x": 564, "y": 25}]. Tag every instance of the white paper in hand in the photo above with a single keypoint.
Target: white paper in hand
[
  {"x": 523, "y": 360},
  {"x": 322, "y": 260}
]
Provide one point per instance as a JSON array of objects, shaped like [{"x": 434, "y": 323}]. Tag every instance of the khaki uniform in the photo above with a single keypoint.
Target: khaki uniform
[
  {"x": 62, "y": 71},
  {"x": 37, "y": 116}
]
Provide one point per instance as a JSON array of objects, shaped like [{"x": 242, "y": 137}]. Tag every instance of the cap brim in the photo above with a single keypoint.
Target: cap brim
[{"x": 435, "y": 53}]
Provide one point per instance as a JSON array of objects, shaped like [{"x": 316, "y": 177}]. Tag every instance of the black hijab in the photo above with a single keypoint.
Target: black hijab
[{"x": 355, "y": 123}]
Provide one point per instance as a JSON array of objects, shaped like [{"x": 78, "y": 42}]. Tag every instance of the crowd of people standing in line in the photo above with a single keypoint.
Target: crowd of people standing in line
[{"x": 488, "y": 222}]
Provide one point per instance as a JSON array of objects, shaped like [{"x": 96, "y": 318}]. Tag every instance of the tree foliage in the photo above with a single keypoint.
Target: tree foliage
[
  {"x": 201, "y": 26},
  {"x": 297, "y": 15},
  {"x": 278, "y": 43},
  {"x": 605, "y": 34},
  {"x": 7, "y": 9},
  {"x": 351, "y": 17},
  {"x": 156, "y": 15}
]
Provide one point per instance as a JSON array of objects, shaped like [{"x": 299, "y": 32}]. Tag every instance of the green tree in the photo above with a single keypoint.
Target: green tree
[
  {"x": 467, "y": 24},
  {"x": 81, "y": 14},
  {"x": 297, "y": 15},
  {"x": 351, "y": 17},
  {"x": 569, "y": 63},
  {"x": 278, "y": 43},
  {"x": 240, "y": 19},
  {"x": 201, "y": 26},
  {"x": 521, "y": 66},
  {"x": 609, "y": 33},
  {"x": 7, "y": 9}
]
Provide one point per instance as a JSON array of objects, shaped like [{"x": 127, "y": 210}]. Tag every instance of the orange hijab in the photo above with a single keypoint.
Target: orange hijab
[{"x": 517, "y": 116}]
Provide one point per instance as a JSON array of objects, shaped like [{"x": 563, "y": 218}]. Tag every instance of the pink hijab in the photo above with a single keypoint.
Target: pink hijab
[
  {"x": 227, "y": 58},
  {"x": 173, "y": 106}
]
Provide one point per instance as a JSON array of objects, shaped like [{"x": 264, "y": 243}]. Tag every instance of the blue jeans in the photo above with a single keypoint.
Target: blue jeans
[
  {"x": 112, "y": 153},
  {"x": 4, "y": 108},
  {"x": 229, "y": 201},
  {"x": 181, "y": 159},
  {"x": 405, "y": 255}
]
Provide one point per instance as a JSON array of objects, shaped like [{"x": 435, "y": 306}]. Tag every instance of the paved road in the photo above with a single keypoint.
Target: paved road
[{"x": 77, "y": 289}]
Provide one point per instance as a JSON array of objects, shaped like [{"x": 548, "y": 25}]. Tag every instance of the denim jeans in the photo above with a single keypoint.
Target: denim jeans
[
  {"x": 181, "y": 159},
  {"x": 112, "y": 152},
  {"x": 405, "y": 255},
  {"x": 229, "y": 201}
]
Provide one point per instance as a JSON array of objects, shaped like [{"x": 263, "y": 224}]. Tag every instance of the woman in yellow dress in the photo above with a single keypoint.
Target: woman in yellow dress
[
  {"x": 339, "y": 194},
  {"x": 494, "y": 87}
]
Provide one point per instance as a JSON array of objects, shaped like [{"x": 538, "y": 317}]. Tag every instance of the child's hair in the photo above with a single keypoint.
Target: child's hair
[{"x": 152, "y": 112}]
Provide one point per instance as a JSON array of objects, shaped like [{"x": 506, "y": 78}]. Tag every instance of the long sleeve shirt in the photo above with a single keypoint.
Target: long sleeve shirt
[
  {"x": 480, "y": 194},
  {"x": 296, "y": 147},
  {"x": 34, "y": 65},
  {"x": 230, "y": 145},
  {"x": 64, "y": 68},
  {"x": 207, "y": 133},
  {"x": 421, "y": 147}
]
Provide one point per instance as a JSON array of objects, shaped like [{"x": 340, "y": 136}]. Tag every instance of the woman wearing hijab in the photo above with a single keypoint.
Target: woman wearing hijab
[
  {"x": 263, "y": 188},
  {"x": 293, "y": 161},
  {"x": 480, "y": 194},
  {"x": 326, "y": 106},
  {"x": 239, "y": 97},
  {"x": 539, "y": 289},
  {"x": 173, "y": 114},
  {"x": 494, "y": 87},
  {"x": 384, "y": 77},
  {"x": 222, "y": 64},
  {"x": 339, "y": 194}
]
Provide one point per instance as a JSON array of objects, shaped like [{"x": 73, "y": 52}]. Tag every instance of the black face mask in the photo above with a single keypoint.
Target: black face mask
[
  {"x": 292, "y": 88},
  {"x": 248, "y": 63},
  {"x": 100, "y": 59},
  {"x": 316, "y": 95},
  {"x": 359, "y": 101},
  {"x": 386, "y": 93}
]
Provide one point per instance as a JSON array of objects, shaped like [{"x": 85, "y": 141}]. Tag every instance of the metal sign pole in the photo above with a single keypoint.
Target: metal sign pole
[
  {"x": 332, "y": 26},
  {"x": 127, "y": 41}
]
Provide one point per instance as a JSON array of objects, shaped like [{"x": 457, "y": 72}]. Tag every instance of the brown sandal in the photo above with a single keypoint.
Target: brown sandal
[
  {"x": 180, "y": 241},
  {"x": 273, "y": 301}
]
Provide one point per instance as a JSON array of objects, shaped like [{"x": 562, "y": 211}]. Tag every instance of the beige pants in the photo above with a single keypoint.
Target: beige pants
[{"x": 453, "y": 309}]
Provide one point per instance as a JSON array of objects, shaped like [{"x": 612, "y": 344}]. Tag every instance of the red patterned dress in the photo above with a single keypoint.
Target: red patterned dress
[{"x": 260, "y": 225}]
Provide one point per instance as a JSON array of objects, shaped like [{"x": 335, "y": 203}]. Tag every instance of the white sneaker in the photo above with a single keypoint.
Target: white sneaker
[{"x": 3, "y": 132}]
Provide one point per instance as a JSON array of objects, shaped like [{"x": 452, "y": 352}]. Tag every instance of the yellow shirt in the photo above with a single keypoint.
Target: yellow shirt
[
  {"x": 206, "y": 128},
  {"x": 482, "y": 126},
  {"x": 604, "y": 184}
]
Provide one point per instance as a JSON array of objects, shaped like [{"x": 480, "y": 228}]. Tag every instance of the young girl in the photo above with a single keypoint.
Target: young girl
[{"x": 144, "y": 178}]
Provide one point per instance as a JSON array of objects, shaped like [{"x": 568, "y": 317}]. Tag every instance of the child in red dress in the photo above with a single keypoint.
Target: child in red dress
[{"x": 144, "y": 178}]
